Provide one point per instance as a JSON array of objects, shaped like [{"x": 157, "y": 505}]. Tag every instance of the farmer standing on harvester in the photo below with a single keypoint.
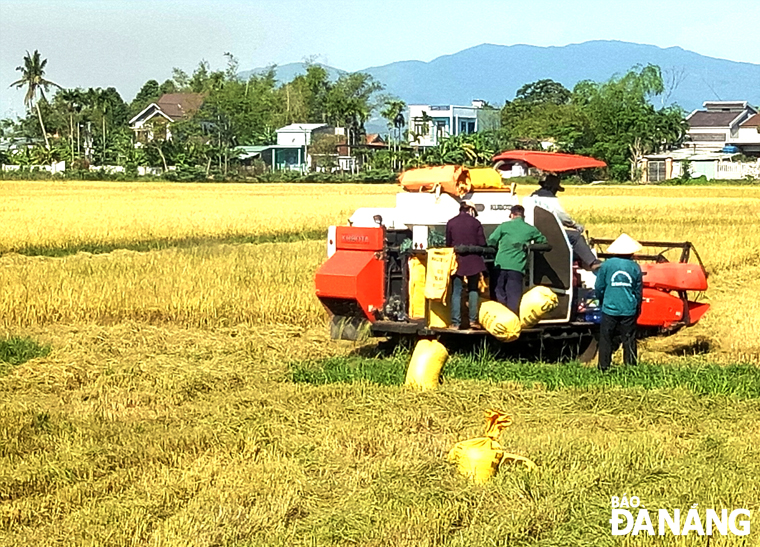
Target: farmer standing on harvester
[
  {"x": 511, "y": 239},
  {"x": 546, "y": 198},
  {"x": 466, "y": 229}
]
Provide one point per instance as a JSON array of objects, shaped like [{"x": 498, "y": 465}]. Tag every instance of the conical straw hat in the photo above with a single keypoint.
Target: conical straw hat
[{"x": 624, "y": 245}]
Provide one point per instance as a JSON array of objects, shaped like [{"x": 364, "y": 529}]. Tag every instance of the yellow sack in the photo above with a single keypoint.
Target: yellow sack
[
  {"x": 416, "y": 288},
  {"x": 439, "y": 314},
  {"x": 485, "y": 177},
  {"x": 536, "y": 303},
  {"x": 499, "y": 321},
  {"x": 479, "y": 458},
  {"x": 452, "y": 179},
  {"x": 441, "y": 264},
  {"x": 428, "y": 359}
]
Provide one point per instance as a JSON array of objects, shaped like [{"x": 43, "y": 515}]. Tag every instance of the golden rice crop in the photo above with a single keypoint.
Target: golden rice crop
[
  {"x": 721, "y": 222},
  {"x": 65, "y": 215},
  {"x": 213, "y": 285},
  {"x": 202, "y": 286}
]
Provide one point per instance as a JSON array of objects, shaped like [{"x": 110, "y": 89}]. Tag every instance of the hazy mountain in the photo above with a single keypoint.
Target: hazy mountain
[
  {"x": 495, "y": 73},
  {"x": 286, "y": 73}
]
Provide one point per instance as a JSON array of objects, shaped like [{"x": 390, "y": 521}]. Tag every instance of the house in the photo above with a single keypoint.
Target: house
[
  {"x": 721, "y": 123},
  {"x": 713, "y": 165},
  {"x": 291, "y": 151},
  {"x": 748, "y": 138},
  {"x": 171, "y": 107},
  {"x": 716, "y": 136},
  {"x": 351, "y": 158},
  {"x": 428, "y": 124}
]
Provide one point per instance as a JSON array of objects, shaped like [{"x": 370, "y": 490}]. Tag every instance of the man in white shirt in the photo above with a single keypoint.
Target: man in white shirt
[{"x": 546, "y": 198}]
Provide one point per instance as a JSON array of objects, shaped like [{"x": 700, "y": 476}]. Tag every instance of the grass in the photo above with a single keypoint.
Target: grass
[
  {"x": 16, "y": 350},
  {"x": 132, "y": 435},
  {"x": 741, "y": 381}
]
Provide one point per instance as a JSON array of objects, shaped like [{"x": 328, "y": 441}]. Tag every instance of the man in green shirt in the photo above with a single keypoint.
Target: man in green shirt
[
  {"x": 619, "y": 287},
  {"x": 511, "y": 239}
]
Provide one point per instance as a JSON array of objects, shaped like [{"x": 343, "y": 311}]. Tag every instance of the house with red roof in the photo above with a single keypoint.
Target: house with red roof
[{"x": 158, "y": 116}]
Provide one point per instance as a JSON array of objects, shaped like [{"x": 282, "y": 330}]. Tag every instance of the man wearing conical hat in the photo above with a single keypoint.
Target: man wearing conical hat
[{"x": 619, "y": 288}]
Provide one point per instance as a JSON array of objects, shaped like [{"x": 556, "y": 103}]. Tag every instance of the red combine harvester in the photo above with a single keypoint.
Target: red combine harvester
[{"x": 365, "y": 282}]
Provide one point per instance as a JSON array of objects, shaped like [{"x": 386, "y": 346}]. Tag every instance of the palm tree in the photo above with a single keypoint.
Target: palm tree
[
  {"x": 394, "y": 113},
  {"x": 72, "y": 98},
  {"x": 33, "y": 77}
]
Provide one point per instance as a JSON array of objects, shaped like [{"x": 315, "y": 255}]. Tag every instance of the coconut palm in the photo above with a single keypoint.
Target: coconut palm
[{"x": 33, "y": 77}]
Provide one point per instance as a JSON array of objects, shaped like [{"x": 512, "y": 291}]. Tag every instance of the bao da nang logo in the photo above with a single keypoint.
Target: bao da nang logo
[{"x": 629, "y": 517}]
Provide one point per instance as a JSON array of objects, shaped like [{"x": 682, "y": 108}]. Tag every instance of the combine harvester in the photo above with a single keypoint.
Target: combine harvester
[{"x": 365, "y": 283}]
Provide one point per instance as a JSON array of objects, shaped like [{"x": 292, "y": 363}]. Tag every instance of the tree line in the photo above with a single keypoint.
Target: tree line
[{"x": 614, "y": 121}]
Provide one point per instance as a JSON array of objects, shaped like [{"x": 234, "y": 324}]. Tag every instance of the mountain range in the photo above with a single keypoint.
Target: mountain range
[{"x": 494, "y": 73}]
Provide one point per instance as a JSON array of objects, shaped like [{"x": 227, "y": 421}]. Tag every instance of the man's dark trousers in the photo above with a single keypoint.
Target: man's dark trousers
[
  {"x": 509, "y": 289},
  {"x": 625, "y": 327}
]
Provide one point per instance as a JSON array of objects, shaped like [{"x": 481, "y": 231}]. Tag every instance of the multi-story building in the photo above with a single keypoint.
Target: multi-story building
[{"x": 428, "y": 124}]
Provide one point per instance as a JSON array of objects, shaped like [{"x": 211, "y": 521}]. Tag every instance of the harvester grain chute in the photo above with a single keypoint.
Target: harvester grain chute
[{"x": 365, "y": 282}]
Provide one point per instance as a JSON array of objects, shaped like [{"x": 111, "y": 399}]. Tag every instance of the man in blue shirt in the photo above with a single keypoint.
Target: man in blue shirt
[{"x": 619, "y": 288}]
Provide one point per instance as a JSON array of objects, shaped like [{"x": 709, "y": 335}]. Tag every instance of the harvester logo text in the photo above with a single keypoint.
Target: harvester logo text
[
  {"x": 630, "y": 518},
  {"x": 354, "y": 239}
]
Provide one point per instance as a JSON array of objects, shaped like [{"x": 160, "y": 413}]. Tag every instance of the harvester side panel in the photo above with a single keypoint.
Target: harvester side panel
[
  {"x": 355, "y": 276},
  {"x": 675, "y": 276},
  {"x": 660, "y": 309},
  {"x": 553, "y": 269}
]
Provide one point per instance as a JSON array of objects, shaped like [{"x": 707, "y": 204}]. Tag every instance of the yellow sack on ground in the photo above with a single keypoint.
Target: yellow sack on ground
[
  {"x": 499, "y": 321},
  {"x": 417, "y": 271},
  {"x": 441, "y": 265},
  {"x": 536, "y": 303},
  {"x": 424, "y": 370},
  {"x": 479, "y": 458}
]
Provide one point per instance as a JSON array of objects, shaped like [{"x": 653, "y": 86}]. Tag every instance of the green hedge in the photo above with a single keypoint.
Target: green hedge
[{"x": 198, "y": 174}]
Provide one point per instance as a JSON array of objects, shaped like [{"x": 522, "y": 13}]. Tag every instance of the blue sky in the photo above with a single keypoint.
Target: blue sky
[{"x": 123, "y": 43}]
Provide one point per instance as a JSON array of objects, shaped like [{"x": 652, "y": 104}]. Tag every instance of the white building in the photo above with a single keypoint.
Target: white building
[
  {"x": 292, "y": 149},
  {"x": 298, "y": 134},
  {"x": 428, "y": 124},
  {"x": 721, "y": 123},
  {"x": 748, "y": 137}
]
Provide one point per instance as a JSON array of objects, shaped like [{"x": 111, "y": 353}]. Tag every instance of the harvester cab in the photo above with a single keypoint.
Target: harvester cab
[{"x": 373, "y": 280}]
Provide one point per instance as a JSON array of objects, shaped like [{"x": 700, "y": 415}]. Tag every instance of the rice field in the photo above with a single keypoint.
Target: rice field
[
  {"x": 205, "y": 255},
  {"x": 164, "y": 405},
  {"x": 57, "y": 218}
]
